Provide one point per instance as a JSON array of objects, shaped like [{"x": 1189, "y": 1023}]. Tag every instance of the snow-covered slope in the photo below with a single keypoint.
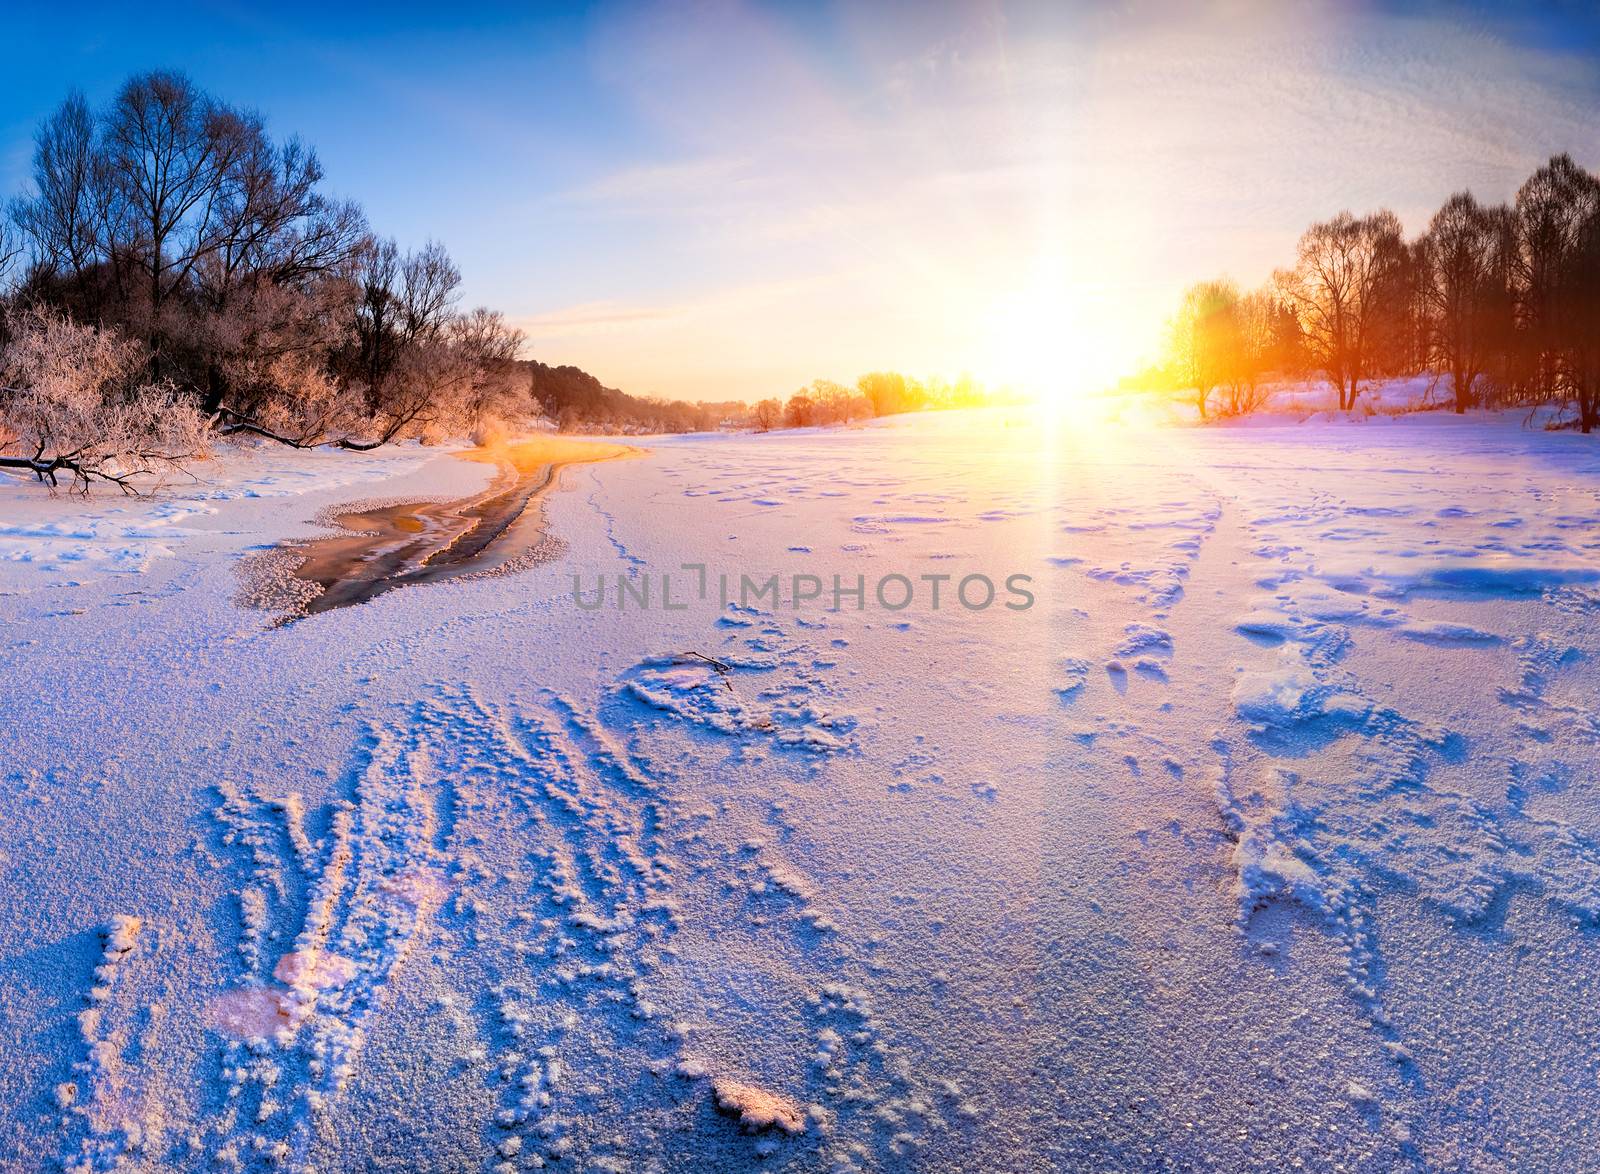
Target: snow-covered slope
[{"x": 1267, "y": 834}]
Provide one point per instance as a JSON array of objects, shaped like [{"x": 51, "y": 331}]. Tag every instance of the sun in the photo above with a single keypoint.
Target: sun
[{"x": 1034, "y": 342}]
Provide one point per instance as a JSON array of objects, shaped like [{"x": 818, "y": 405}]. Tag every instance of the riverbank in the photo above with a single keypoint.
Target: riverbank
[{"x": 382, "y": 546}]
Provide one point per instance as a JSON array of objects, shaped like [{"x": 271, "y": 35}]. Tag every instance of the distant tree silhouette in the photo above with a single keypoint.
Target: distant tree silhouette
[
  {"x": 1204, "y": 338},
  {"x": 800, "y": 411},
  {"x": 832, "y": 403},
  {"x": 1503, "y": 302},
  {"x": 1558, "y": 214},
  {"x": 887, "y": 391},
  {"x": 579, "y": 402},
  {"x": 1464, "y": 293},
  {"x": 1253, "y": 339},
  {"x": 1337, "y": 290},
  {"x": 767, "y": 415}
]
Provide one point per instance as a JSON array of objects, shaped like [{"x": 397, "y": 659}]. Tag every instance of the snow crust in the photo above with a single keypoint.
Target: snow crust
[{"x": 1269, "y": 837}]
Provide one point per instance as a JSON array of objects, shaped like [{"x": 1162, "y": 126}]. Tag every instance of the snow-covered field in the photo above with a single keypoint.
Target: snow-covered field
[{"x": 1268, "y": 836}]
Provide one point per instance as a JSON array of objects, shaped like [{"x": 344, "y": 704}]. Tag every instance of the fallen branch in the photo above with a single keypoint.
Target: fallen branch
[
  {"x": 84, "y": 473},
  {"x": 239, "y": 424},
  {"x": 720, "y": 666}
]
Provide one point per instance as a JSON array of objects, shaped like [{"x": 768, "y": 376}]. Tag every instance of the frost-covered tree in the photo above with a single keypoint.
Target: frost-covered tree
[
  {"x": 177, "y": 219},
  {"x": 74, "y": 405}
]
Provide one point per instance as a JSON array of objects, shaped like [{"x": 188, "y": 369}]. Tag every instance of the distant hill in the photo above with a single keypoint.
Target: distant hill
[{"x": 578, "y": 402}]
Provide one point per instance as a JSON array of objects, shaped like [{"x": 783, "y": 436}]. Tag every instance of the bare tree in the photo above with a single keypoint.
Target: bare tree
[
  {"x": 1202, "y": 338},
  {"x": 179, "y": 219},
  {"x": 282, "y": 258},
  {"x": 886, "y": 391},
  {"x": 767, "y": 415},
  {"x": 167, "y": 154},
  {"x": 1396, "y": 344},
  {"x": 1558, "y": 214},
  {"x": 10, "y": 250},
  {"x": 1253, "y": 342},
  {"x": 1463, "y": 291},
  {"x": 452, "y": 377},
  {"x": 377, "y": 317},
  {"x": 800, "y": 412},
  {"x": 275, "y": 225},
  {"x": 405, "y": 302},
  {"x": 1583, "y": 363},
  {"x": 1335, "y": 289},
  {"x": 832, "y": 403},
  {"x": 62, "y": 218},
  {"x": 430, "y": 285}
]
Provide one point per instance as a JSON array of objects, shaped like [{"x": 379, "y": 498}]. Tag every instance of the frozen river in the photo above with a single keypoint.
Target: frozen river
[{"x": 1251, "y": 822}]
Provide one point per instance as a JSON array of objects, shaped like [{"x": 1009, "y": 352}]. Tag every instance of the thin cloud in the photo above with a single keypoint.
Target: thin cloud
[
  {"x": 922, "y": 169},
  {"x": 591, "y": 314},
  {"x": 650, "y": 185}
]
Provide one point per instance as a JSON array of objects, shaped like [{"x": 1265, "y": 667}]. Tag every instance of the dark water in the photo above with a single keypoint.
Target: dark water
[{"x": 385, "y": 547}]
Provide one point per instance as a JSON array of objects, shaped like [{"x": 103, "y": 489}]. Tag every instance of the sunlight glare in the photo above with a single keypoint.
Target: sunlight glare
[{"x": 1034, "y": 342}]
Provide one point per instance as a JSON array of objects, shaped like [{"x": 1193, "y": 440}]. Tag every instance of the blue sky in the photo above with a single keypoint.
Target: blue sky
[
  {"x": 722, "y": 199},
  {"x": 452, "y": 121}
]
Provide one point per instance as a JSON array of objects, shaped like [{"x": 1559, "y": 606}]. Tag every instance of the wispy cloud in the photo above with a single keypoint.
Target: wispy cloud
[
  {"x": 653, "y": 185},
  {"x": 590, "y": 315},
  {"x": 920, "y": 169},
  {"x": 729, "y": 198}
]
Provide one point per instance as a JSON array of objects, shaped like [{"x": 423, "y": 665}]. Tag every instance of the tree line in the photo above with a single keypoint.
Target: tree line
[
  {"x": 1500, "y": 303},
  {"x": 578, "y": 402},
  {"x": 878, "y": 393},
  {"x": 176, "y": 274}
]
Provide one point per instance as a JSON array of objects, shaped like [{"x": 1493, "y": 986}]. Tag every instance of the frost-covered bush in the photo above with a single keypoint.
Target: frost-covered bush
[
  {"x": 74, "y": 404},
  {"x": 295, "y": 398}
]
